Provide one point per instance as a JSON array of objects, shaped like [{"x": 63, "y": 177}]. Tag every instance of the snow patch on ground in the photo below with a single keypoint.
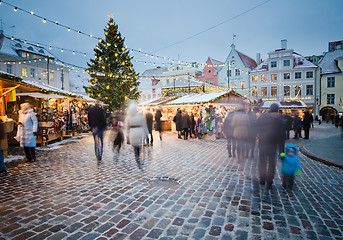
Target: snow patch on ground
[
  {"x": 58, "y": 145},
  {"x": 11, "y": 158}
]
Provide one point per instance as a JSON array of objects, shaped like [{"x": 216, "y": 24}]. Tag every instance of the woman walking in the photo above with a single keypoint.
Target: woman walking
[
  {"x": 27, "y": 131},
  {"x": 158, "y": 117}
]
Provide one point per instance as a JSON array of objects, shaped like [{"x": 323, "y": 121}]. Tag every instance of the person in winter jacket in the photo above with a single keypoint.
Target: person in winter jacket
[
  {"x": 307, "y": 124},
  {"x": 27, "y": 131},
  {"x": 297, "y": 125},
  {"x": 97, "y": 123},
  {"x": 228, "y": 131},
  {"x": 119, "y": 137},
  {"x": 185, "y": 125},
  {"x": 137, "y": 130},
  {"x": 193, "y": 123},
  {"x": 177, "y": 121},
  {"x": 240, "y": 125},
  {"x": 149, "y": 121},
  {"x": 158, "y": 116},
  {"x": 290, "y": 165}
]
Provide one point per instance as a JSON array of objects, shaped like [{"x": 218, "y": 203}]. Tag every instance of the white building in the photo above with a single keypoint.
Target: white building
[
  {"x": 179, "y": 71},
  {"x": 150, "y": 85},
  {"x": 33, "y": 63},
  {"x": 284, "y": 76},
  {"x": 235, "y": 71},
  {"x": 78, "y": 80}
]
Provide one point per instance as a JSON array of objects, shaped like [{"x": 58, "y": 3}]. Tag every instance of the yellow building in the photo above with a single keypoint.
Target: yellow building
[{"x": 331, "y": 81}]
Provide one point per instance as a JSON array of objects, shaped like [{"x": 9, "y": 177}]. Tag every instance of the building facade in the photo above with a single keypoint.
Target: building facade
[
  {"x": 32, "y": 63},
  {"x": 150, "y": 86},
  {"x": 285, "y": 76},
  {"x": 179, "y": 71},
  {"x": 331, "y": 81},
  {"x": 210, "y": 72},
  {"x": 235, "y": 72}
]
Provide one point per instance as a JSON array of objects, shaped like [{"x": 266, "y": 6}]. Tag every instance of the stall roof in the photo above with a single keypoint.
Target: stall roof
[
  {"x": 285, "y": 104},
  {"x": 197, "y": 98},
  {"x": 40, "y": 95},
  {"x": 154, "y": 102}
]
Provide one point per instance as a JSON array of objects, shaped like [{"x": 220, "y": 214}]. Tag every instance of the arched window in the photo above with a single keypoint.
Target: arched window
[
  {"x": 30, "y": 48},
  {"x": 41, "y": 51}
]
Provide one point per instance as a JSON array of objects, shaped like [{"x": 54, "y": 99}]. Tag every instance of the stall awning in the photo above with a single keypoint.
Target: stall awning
[
  {"x": 155, "y": 102},
  {"x": 285, "y": 104},
  {"x": 197, "y": 98},
  {"x": 40, "y": 95}
]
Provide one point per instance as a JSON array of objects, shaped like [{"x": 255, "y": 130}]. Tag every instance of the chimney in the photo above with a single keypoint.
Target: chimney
[
  {"x": 284, "y": 44},
  {"x": 258, "y": 58}
]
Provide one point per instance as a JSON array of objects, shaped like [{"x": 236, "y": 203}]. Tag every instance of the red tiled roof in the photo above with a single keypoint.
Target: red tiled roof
[{"x": 247, "y": 61}]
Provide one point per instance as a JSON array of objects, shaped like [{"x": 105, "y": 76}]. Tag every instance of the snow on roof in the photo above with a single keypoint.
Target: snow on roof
[
  {"x": 197, "y": 98},
  {"x": 247, "y": 61},
  {"x": 154, "y": 72},
  {"x": 77, "y": 81},
  {"x": 328, "y": 62},
  {"x": 217, "y": 64},
  {"x": 147, "y": 83},
  {"x": 48, "y": 87},
  {"x": 155, "y": 102},
  {"x": 263, "y": 66},
  {"x": 285, "y": 104},
  {"x": 183, "y": 82},
  {"x": 185, "y": 70}
]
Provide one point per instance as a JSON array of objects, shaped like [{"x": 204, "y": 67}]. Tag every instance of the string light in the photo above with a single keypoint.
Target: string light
[{"x": 44, "y": 20}]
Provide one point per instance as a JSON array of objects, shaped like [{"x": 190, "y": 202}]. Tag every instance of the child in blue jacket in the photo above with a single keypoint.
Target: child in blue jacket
[{"x": 290, "y": 165}]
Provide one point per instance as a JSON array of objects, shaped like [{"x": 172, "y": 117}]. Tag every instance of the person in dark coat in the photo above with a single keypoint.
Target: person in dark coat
[
  {"x": 228, "y": 131},
  {"x": 307, "y": 124},
  {"x": 185, "y": 125},
  {"x": 268, "y": 125},
  {"x": 193, "y": 123},
  {"x": 240, "y": 124},
  {"x": 252, "y": 132},
  {"x": 97, "y": 123},
  {"x": 158, "y": 117},
  {"x": 297, "y": 124},
  {"x": 177, "y": 120},
  {"x": 149, "y": 121},
  {"x": 119, "y": 138},
  {"x": 288, "y": 123}
]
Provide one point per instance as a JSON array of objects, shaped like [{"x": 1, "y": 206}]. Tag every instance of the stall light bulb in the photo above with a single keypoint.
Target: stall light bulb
[
  {"x": 73, "y": 52},
  {"x": 68, "y": 29},
  {"x": 62, "y": 50},
  {"x": 15, "y": 9},
  {"x": 44, "y": 20},
  {"x": 31, "y": 13}
]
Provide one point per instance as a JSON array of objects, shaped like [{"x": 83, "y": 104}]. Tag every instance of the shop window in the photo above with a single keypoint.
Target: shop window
[
  {"x": 330, "y": 98},
  {"x": 273, "y": 64},
  {"x": 264, "y": 91},
  {"x": 273, "y": 91},
  {"x": 309, "y": 74},
  {"x": 286, "y": 91},
  {"x": 9, "y": 69},
  {"x": 45, "y": 75},
  {"x": 51, "y": 76},
  {"x": 297, "y": 91},
  {"x": 254, "y": 92},
  {"x": 254, "y": 78},
  {"x": 309, "y": 90},
  {"x": 286, "y": 76},
  {"x": 331, "y": 82},
  {"x": 297, "y": 75},
  {"x": 229, "y": 73},
  {"x": 286, "y": 63},
  {"x": 32, "y": 72},
  {"x": 263, "y": 77},
  {"x": 24, "y": 72},
  {"x": 273, "y": 76}
]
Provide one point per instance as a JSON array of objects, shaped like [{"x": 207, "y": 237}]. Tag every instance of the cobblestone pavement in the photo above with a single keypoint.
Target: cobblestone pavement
[{"x": 187, "y": 190}]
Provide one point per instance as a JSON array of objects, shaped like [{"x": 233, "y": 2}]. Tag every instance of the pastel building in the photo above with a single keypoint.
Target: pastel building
[
  {"x": 178, "y": 72},
  {"x": 284, "y": 76},
  {"x": 150, "y": 85},
  {"x": 210, "y": 72},
  {"x": 235, "y": 71},
  {"x": 330, "y": 99}
]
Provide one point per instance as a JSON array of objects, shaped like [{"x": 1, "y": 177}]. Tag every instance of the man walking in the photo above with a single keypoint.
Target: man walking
[
  {"x": 185, "y": 125},
  {"x": 97, "y": 123},
  {"x": 149, "y": 121}
]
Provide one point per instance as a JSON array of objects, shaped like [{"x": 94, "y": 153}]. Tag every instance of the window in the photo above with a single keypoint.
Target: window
[
  {"x": 297, "y": 75},
  {"x": 237, "y": 72},
  {"x": 286, "y": 63},
  {"x": 254, "y": 78},
  {"x": 286, "y": 91},
  {"x": 229, "y": 73},
  {"x": 330, "y": 82},
  {"x": 273, "y": 91},
  {"x": 9, "y": 69},
  {"x": 233, "y": 85},
  {"x": 286, "y": 76},
  {"x": 263, "y": 77},
  {"x": 309, "y": 74},
  {"x": 297, "y": 91},
  {"x": 32, "y": 72},
  {"x": 243, "y": 85},
  {"x": 45, "y": 75},
  {"x": 274, "y": 76},
  {"x": 273, "y": 64},
  {"x": 51, "y": 76},
  {"x": 30, "y": 48},
  {"x": 41, "y": 51},
  {"x": 254, "y": 91},
  {"x": 24, "y": 72},
  {"x": 309, "y": 90},
  {"x": 264, "y": 91},
  {"x": 167, "y": 81},
  {"x": 209, "y": 70},
  {"x": 330, "y": 99}
]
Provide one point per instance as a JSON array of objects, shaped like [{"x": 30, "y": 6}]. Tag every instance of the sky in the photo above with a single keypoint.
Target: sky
[{"x": 150, "y": 25}]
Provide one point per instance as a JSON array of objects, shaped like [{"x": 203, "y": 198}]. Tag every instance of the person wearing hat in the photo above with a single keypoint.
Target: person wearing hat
[{"x": 270, "y": 130}]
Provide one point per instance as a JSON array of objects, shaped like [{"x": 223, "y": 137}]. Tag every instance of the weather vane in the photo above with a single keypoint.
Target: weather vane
[{"x": 110, "y": 15}]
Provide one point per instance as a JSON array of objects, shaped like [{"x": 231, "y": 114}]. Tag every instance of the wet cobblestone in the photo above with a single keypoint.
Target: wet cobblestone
[{"x": 67, "y": 195}]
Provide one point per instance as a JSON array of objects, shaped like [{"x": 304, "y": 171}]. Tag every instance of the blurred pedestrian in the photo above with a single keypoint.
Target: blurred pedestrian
[
  {"x": 137, "y": 130},
  {"x": 327, "y": 118},
  {"x": 192, "y": 128},
  {"x": 149, "y": 121},
  {"x": 252, "y": 133},
  {"x": 288, "y": 123},
  {"x": 311, "y": 120},
  {"x": 268, "y": 126},
  {"x": 97, "y": 123},
  {"x": 320, "y": 119},
  {"x": 177, "y": 121},
  {"x": 27, "y": 131},
  {"x": 119, "y": 137},
  {"x": 290, "y": 166},
  {"x": 297, "y": 126},
  {"x": 158, "y": 122},
  {"x": 240, "y": 125},
  {"x": 228, "y": 131},
  {"x": 2, "y": 136},
  {"x": 307, "y": 124},
  {"x": 185, "y": 125}
]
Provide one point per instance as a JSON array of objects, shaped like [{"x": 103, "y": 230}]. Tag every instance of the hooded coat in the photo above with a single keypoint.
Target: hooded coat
[
  {"x": 28, "y": 125},
  {"x": 177, "y": 120},
  {"x": 290, "y": 164},
  {"x": 136, "y": 127}
]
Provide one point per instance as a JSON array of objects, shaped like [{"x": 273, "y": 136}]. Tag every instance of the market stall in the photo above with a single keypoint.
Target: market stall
[{"x": 289, "y": 107}]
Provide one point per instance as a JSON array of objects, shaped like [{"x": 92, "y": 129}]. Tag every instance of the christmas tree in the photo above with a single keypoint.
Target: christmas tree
[{"x": 113, "y": 79}]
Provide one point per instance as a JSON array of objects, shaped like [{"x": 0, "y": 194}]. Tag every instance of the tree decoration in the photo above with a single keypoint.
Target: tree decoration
[{"x": 113, "y": 78}]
